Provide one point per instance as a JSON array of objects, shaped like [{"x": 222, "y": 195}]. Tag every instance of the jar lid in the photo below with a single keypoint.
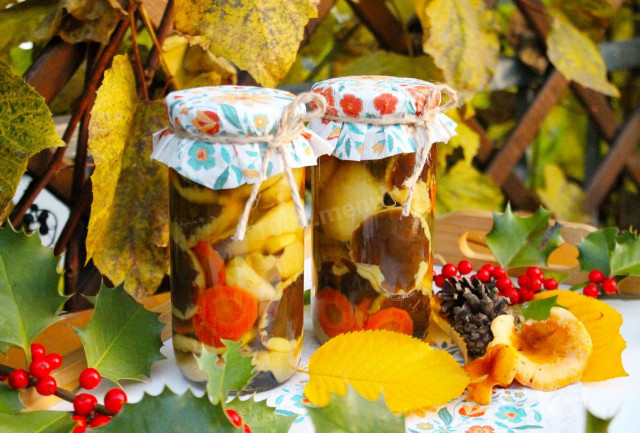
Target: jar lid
[
  {"x": 210, "y": 139},
  {"x": 384, "y": 106}
]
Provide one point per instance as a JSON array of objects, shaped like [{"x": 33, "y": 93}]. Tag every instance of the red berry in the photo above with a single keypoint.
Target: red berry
[
  {"x": 89, "y": 378},
  {"x": 513, "y": 295},
  {"x": 524, "y": 280},
  {"x": 596, "y": 276},
  {"x": 54, "y": 360},
  {"x": 99, "y": 420},
  {"x": 488, "y": 267},
  {"x": 46, "y": 386},
  {"x": 18, "y": 378},
  {"x": 449, "y": 270},
  {"x": 483, "y": 275},
  {"x": 590, "y": 290},
  {"x": 465, "y": 267},
  {"x": 498, "y": 272},
  {"x": 246, "y": 429},
  {"x": 535, "y": 284},
  {"x": 80, "y": 420},
  {"x": 526, "y": 295},
  {"x": 550, "y": 284},
  {"x": 234, "y": 417},
  {"x": 79, "y": 429},
  {"x": 609, "y": 285},
  {"x": 504, "y": 284},
  {"x": 114, "y": 399},
  {"x": 535, "y": 272},
  {"x": 37, "y": 351},
  {"x": 439, "y": 280},
  {"x": 84, "y": 404},
  {"x": 39, "y": 369},
  {"x": 3, "y": 377}
]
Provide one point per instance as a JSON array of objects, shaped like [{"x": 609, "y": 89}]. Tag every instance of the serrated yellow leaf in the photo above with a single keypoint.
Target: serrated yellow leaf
[
  {"x": 261, "y": 37},
  {"x": 128, "y": 228},
  {"x": 576, "y": 56},
  {"x": 407, "y": 371},
  {"x": 603, "y": 324}
]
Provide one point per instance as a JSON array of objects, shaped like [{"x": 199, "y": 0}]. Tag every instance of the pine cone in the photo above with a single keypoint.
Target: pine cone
[{"x": 470, "y": 307}]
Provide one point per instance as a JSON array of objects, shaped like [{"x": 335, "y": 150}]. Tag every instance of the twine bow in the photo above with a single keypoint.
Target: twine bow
[{"x": 421, "y": 125}]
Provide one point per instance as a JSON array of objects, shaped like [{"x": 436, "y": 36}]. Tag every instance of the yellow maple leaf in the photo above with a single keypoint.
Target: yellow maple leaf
[
  {"x": 128, "y": 228},
  {"x": 407, "y": 371},
  {"x": 603, "y": 324},
  {"x": 261, "y": 37}
]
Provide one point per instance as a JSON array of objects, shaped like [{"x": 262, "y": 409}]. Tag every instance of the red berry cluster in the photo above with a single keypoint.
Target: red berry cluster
[
  {"x": 598, "y": 285},
  {"x": 529, "y": 283},
  {"x": 40, "y": 370},
  {"x": 236, "y": 420}
]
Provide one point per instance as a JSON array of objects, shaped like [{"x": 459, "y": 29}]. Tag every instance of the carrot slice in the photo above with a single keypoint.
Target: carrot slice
[
  {"x": 226, "y": 312},
  {"x": 334, "y": 311},
  {"x": 212, "y": 264},
  {"x": 392, "y": 319}
]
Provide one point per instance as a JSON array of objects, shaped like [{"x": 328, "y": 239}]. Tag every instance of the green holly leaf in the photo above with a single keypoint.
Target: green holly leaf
[
  {"x": 625, "y": 258},
  {"x": 260, "y": 417},
  {"x": 9, "y": 400},
  {"x": 170, "y": 413},
  {"x": 122, "y": 339},
  {"x": 28, "y": 289},
  {"x": 234, "y": 373},
  {"x": 539, "y": 309},
  {"x": 518, "y": 241},
  {"x": 355, "y": 414},
  {"x": 26, "y": 128},
  {"x": 595, "y": 250},
  {"x": 42, "y": 421}
]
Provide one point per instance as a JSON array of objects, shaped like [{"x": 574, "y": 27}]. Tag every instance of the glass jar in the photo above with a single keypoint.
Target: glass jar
[
  {"x": 225, "y": 286},
  {"x": 372, "y": 247}
]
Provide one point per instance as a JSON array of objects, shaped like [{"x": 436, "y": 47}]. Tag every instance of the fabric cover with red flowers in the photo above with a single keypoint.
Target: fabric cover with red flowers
[
  {"x": 229, "y": 111},
  {"x": 376, "y": 97}
]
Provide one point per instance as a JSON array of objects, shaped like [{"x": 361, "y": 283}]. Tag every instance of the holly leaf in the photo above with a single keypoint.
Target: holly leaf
[
  {"x": 261, "y": 37},
  {"x": 128, "y": 229},
  {"x": 28, "y": 289},
  {"x": 595, "y": 250},
  {"x": 576, "y": 56},
  {"x": 407, "y": 371},
  {"x": 354, "y": 414},
  {"x": 170, "y": 413},
  {"x": 260, "y": 417},
  {"x": 468, "y": 55},
  {"x": 42, "y": 421},
  {"x": 9, "y": 400},
  {"x": 26, "y": 128},
  {"x": 464, "y": 187},
  {"x": 625, "y": 258},
  {"x": 539, "y": 309},
  {"x": 518, "y": 241},
  {"x": 234, "y": 373},
  {"x": 122, "y": 339}
]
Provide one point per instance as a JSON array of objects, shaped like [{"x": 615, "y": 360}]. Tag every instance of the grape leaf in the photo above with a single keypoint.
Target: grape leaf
[
  {"x": 122, "y": 339},
  {"x": 518, "y": 241},
  {"x": 260, "y": 417},
  {"x": 20, "y": 20},
  {"x": 128, "y": 228},
  {"x": 468, "y": 55},
  {"x": 466, "y": 138},
  {"x": 586, "y": 14},
  {"x": 26, "y": 128},
  {"x": 625, "y": 258},
  {"x": 354, "y": 414},
  {"x": 563, "y": 197},
  {"x": 539, "y": 309},
  {"x": 42, "y": 421},
  {"x": 463, "y": 187},
  {"x": 170, "y": 413},
  {"x": 28, "y": 289},
  {"x": 261, "y": 37},
  {"x": 9, "y": 400},
  {"x": 407, "y": 371},
  {"x": 576, "y": 56},
  {"x": 395, "y": 65},
  {"x": 595, "y": 250},
  {"x": 234, "y": 374}
]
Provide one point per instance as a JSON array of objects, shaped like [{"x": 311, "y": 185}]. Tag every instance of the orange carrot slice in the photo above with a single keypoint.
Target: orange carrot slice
[
  {"x": 212, "y": 264},
  {"x": 226, "y": 312},
  {"x": 335, "y": 312},
  {"x": 392, "y": 319}
]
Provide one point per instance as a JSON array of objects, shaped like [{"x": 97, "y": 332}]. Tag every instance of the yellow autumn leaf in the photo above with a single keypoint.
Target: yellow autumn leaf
[
  {"x": 576, "y": 56},
  {"x": 466, "y": 138},
  {"x": 407, "y": 371},
  {"x": 464, "y": 187},
  {"x": 563, "y": 197},
  {"x": 461, "y": 37},
  {"x": 261, "y": 37},
  {"x": 128, "y": 227},
  {"x": 603, "y": 324}
]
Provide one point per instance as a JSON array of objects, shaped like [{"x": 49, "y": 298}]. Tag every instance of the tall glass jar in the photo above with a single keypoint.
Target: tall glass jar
[
  {"x": 226, "y": 286},
  {"x": 372, "y": 225}
]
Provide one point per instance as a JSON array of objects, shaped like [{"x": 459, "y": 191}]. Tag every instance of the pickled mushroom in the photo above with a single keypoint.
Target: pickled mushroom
[
  {"x": 398, "y": 170},
  {"x": 277, "y": 243},
  {"x": 264, "y": 265},
  {"x": 351, "y": 195},
  {"x": 280, "y": 363},
  {"x": 291, "y": 261},
  {"x": 220, "y": 226},
  {"x": 328, "y": 164},
  {"x": 280, "y": 191},
  {"x": 190, "y": 278},
  {"x": 397, "y": 245},
  {"x": 240, "y": 274},
  {"x": 192, "y": 191}
]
